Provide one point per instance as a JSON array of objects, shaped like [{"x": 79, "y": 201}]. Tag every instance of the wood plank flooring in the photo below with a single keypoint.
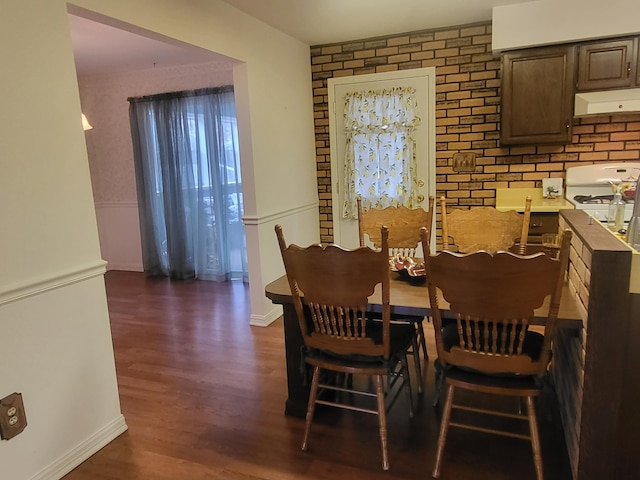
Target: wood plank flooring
[{"x": 203, "y": 395}]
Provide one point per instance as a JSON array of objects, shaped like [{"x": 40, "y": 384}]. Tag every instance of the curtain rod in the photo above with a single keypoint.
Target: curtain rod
[{"x": 182, "y": 94}]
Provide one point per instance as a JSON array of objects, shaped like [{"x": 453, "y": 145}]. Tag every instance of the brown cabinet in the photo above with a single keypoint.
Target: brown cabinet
[
  {"x": 541, "y": 223},
  {"x": 637, "y": 57},
  {"x": 537, "y": 95},
  {"x": 608, "y": 64}
]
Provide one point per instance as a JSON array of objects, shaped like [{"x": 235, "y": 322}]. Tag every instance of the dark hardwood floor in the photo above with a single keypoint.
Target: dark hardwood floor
[{"x": 203, "y": 395}]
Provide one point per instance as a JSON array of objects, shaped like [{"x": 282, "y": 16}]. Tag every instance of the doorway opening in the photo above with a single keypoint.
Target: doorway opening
[{"x": 115, "y": 61}]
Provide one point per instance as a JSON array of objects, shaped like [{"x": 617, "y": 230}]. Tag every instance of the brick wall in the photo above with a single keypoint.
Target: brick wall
[
  {"x": 467, "y": 116},
  {"x": 567, "y": 368}
]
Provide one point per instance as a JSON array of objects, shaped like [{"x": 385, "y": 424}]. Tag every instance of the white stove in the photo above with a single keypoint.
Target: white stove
[{"x": 590, "y": 187}]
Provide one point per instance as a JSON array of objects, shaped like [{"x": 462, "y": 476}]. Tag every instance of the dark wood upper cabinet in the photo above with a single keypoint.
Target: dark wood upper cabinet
[
  {"x": 608, "y": 64},
  {"x": 637, "y": 57},
  {"x": 537, "y": 95}
]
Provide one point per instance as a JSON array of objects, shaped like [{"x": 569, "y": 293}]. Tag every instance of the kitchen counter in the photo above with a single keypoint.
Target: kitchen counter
[{"x": 514, "y": 199}]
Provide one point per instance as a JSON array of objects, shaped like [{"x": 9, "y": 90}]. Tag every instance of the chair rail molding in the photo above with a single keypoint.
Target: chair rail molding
[
  {"x": 273, "y": 217},
  {"x": 51, "y": 281}
]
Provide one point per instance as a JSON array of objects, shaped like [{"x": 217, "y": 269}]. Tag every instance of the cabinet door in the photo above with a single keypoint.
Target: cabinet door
[
  {"x": 537, "y": 95},
  {"x": 605, "y": 65},
  {"x": 637, "y": 57},
  {"x": 541, "y": 223}
]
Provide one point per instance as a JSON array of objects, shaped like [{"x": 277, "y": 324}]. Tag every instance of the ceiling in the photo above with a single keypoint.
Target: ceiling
[
  {"x": 317, "y": 22},
  {"x": 99, "y": 47}
]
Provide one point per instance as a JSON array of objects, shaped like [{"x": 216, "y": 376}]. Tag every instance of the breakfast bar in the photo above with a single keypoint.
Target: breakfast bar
[{"x": 595, "y": 373}]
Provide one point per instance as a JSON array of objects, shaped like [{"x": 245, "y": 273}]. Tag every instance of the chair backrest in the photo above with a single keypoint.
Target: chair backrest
[
  {"x": 403, "y": 224},
  {"x": 330, "y": 287},
  {"x": 492, "y": 298},
  {"x": 485, "y": 228}
]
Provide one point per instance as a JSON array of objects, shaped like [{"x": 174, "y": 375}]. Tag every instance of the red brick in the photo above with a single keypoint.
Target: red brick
[
  {"x": 610, "y": 127},
  {"x": 386, "y": 68},
  {"x": 354, "y": 64},
  {"x": 458, "y": 95},
  {"x": 459, "y": 77},
  {"x": 522, "y": 168},
  {"x": 447, "y": 52},
  {"x": 322, "y": 59},
  {"x": 619, "y": 136},
  {"x": 331, "y": 49},
  {"x": 404, "y": 57},
  {"x": 435, "y": 62},
  {"x": 594, "y": 156},
  {"x": 364, "y": 54},
  {"x": 582, "y": 129},
  {"x": 433, "y": 45},
  {"x": 473, "y": 31},
  {"x": 398, "y": 41},
  {"x": 607, "y": 146},
  {"x": 625, "y": 155},
  {"x": 446, "y": 34},
  {"x": 383, "y": 52}
]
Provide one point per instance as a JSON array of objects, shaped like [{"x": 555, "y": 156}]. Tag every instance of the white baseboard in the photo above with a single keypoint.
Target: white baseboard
[
  {"x": 266, "y": 320},
  {"x": 126, "y": 267},
  {"x": 83, "y": 451}
]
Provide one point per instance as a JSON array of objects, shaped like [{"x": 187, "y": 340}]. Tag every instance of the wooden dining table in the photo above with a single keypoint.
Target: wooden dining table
[{"x": 406, "y": 298}]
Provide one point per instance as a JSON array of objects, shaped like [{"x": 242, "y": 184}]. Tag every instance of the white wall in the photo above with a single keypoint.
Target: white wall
[
  {"x": 546, "y": 22},
  {"x": 54, "y": 321},
  {"x": 119, "y": 232},
  {"x": 56, "y": 342}
]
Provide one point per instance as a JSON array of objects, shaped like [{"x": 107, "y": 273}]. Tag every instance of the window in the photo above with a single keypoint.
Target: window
[{"x": 189, "y": 184}]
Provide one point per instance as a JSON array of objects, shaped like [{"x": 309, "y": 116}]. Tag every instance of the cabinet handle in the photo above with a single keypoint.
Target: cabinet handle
[{"x": 628, "y": 69}]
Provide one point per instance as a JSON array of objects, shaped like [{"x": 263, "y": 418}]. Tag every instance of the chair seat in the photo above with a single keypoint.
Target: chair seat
[
  {"x": 415, "y": 321},
  {"x": 401, "y": 337},
  {"x": 501, "y": 383}
]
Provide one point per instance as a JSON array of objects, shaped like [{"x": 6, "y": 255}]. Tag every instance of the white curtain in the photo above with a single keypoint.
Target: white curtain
[
  {"x": 380, "y": 164},
  {"x": 189, "y": 184}
]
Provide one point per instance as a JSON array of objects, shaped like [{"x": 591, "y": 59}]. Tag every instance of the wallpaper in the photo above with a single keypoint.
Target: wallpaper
[{"x": 104, "y": 102}]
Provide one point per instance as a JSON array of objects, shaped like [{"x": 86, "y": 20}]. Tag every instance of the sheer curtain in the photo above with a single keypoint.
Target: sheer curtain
[
  {"x": 189, "y": 185},
  {"x": 380, "y": 164}
]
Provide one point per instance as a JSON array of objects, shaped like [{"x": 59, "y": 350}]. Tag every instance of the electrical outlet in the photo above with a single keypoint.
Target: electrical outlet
[{"x": 12, "y": 417}]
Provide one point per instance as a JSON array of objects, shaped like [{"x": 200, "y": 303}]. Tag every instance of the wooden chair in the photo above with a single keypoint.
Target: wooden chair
[
  {"x": 330, "y": 287},
  {"x": 403, "y": 223},
  {"x": 489, "y": 347},
  {"x": 485, "y": 228},
  {"x": 404, "y": 226}
]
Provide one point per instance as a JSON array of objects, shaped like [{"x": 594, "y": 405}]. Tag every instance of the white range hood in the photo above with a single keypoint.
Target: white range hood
[{"x": 607, "y": 102}]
